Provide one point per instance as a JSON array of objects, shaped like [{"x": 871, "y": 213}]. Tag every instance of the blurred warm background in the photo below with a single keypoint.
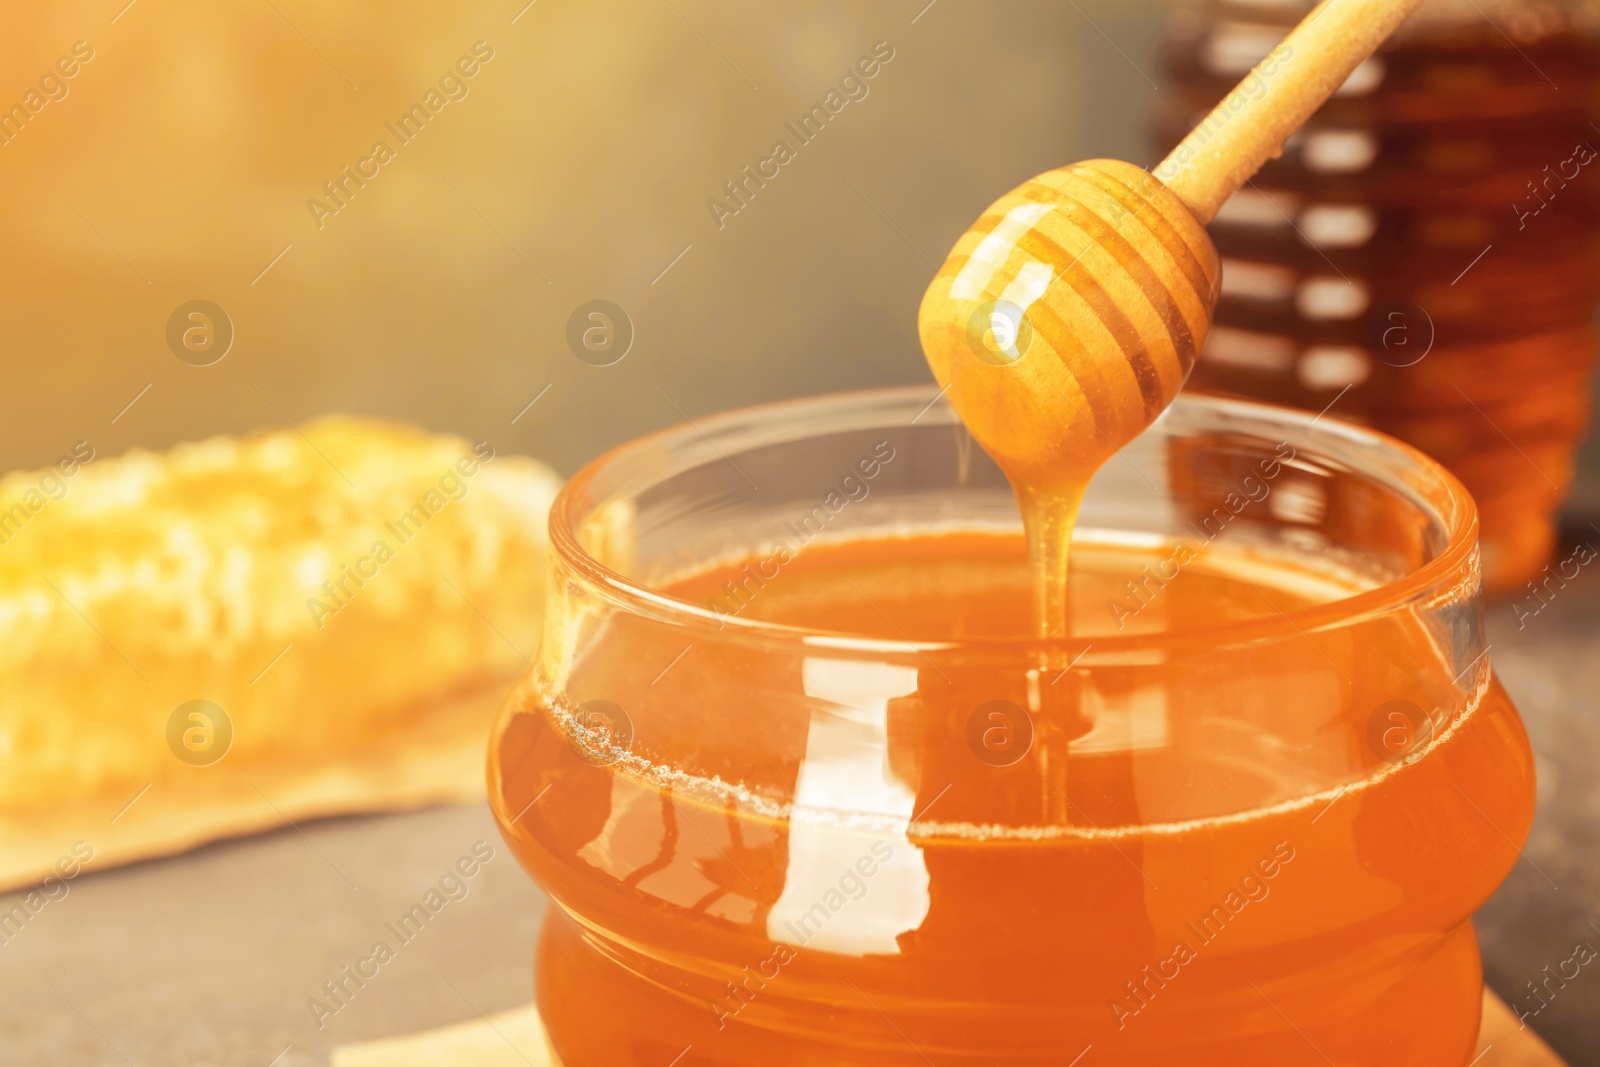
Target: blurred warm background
[{"x": 578, "y": 166}]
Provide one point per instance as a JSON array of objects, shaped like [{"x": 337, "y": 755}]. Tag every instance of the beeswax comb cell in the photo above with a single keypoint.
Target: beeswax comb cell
[{"x": 1087, "y": 290}]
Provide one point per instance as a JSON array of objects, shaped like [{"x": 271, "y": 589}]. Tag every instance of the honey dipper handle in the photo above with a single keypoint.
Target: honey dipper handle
[{"x": 1276, "y": 98}]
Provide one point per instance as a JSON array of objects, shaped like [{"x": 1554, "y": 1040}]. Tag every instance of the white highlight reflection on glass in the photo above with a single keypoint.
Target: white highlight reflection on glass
[{"x": 847, "y": 891}]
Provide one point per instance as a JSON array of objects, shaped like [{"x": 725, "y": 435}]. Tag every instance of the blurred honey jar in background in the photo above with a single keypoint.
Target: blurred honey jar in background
[{"x": 1426, "y": 252}]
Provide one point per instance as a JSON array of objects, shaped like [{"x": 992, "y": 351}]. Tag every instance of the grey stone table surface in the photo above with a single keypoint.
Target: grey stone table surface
[
  {"x": 211, "y": 958},
  {"x": 1548, "y": 658}
]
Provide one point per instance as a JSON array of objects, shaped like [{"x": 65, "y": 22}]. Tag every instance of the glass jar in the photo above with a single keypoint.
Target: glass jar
[
  {"x": 1427, "y": 249},
  {"x": 1245, "y": 836}
]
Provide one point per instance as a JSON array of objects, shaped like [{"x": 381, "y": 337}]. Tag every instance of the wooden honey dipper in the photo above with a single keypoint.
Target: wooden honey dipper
[{"x": 1068, "y": 317}]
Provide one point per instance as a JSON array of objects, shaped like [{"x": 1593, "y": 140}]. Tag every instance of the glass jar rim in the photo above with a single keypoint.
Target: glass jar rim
[{"x": 1433, "y": 489}]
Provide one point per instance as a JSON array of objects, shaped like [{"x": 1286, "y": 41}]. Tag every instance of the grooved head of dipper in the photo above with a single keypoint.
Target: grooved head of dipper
[{"x": 1068, "y": 317}]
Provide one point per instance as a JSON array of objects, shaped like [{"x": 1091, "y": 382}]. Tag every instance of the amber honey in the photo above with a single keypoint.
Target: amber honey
[
  {"x": 1425, "y": 257},
  {"x": 1130, "y": 870}
]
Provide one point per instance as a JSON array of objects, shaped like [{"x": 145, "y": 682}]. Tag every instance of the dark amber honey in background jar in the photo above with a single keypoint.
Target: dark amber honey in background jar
[{"x": 1428, "y": 246}]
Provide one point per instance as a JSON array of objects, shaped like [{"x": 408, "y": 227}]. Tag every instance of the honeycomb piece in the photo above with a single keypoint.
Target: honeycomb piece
[{"x": 334, "y": 598}]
